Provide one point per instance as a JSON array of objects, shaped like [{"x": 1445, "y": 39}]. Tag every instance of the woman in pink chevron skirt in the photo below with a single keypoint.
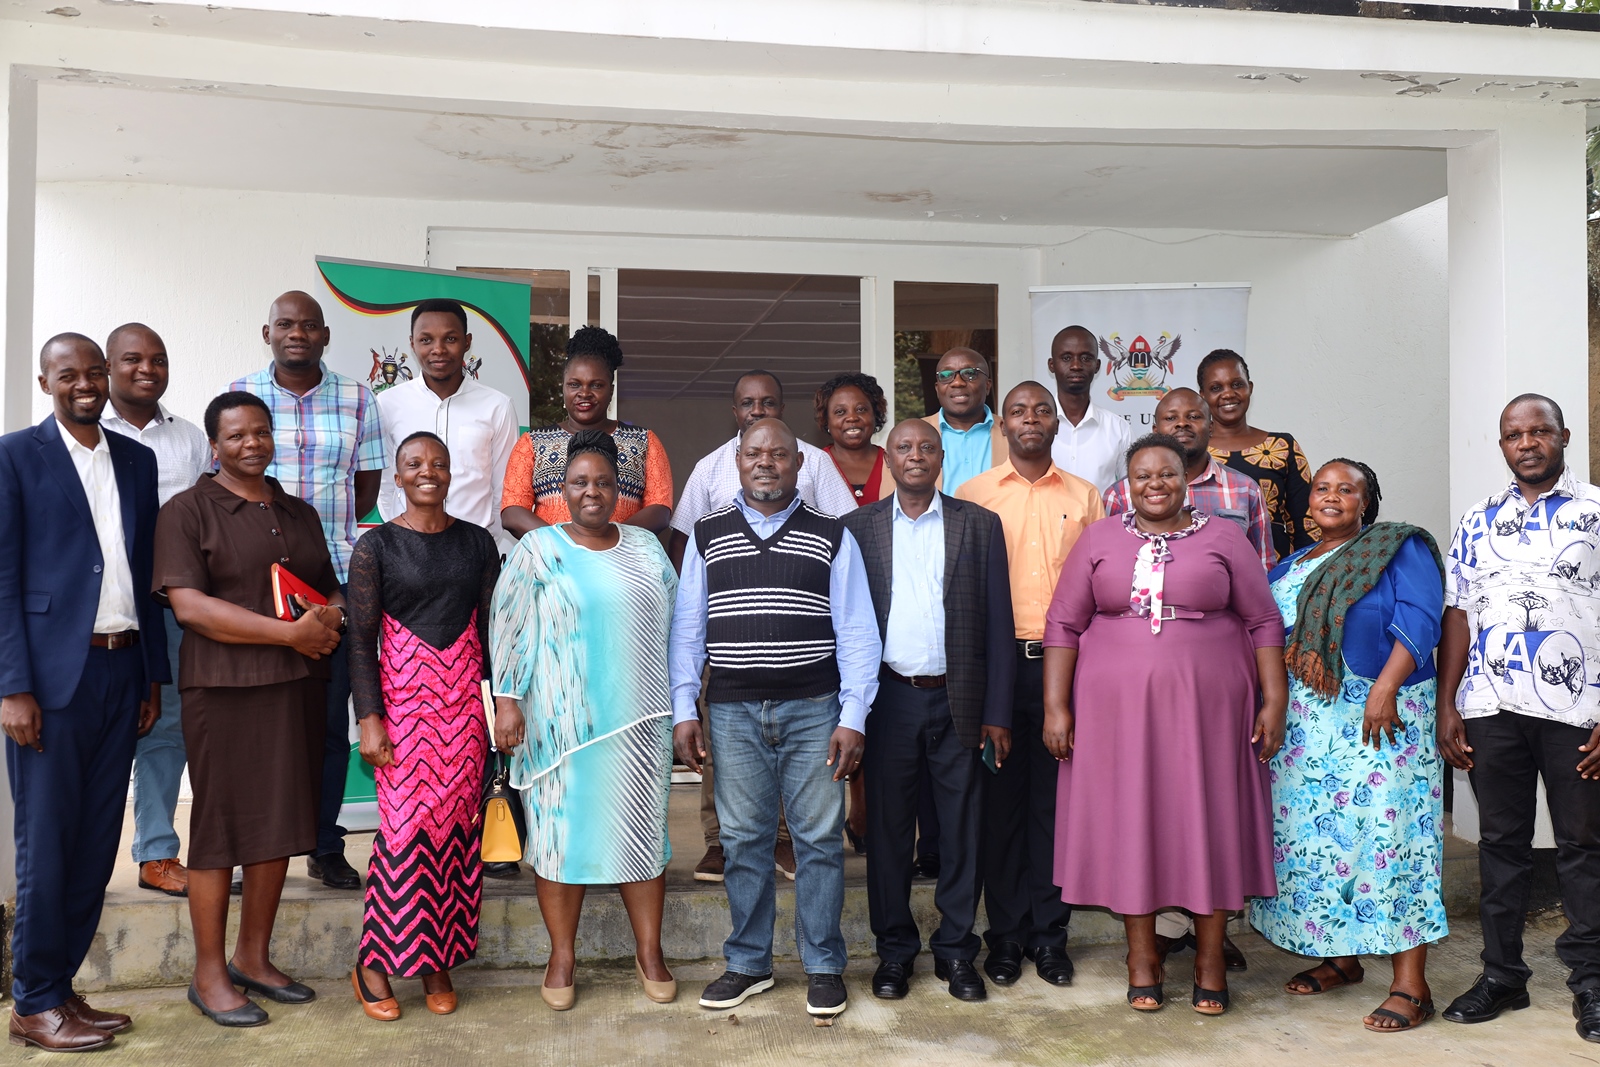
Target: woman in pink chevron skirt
[{"x": 420, "y": 588}]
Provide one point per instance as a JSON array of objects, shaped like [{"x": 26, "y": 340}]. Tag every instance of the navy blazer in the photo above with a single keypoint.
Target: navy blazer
[
  {"x": 1406, "y": 605},
  {"x": 50, "y": 563}
]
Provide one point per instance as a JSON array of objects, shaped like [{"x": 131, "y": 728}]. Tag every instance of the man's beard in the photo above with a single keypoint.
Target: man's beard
[{"x": 765, "y": 495}]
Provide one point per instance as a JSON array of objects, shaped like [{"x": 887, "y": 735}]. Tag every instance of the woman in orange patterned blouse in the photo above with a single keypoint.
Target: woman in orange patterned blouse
[
  {"x": 532, "y": 494},
  {"x": 1274, "y": 460}
]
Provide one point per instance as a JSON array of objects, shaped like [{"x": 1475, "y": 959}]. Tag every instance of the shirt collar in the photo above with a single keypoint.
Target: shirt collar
[
  {"x": 1010, "y": 471},
  {"x": 271, "y": 374},
  {"x": 228, "y": 500},
  {"x": 1566, "y": 485},
  {"x": 754, "y": 516},
  {"x": 935, "y": 507},
  {"x": 72, "y": 442},
  {"x": 163, "y": 416},
  {"x": 986, "y": 423},
  {"x": 1211, "y": 473}
]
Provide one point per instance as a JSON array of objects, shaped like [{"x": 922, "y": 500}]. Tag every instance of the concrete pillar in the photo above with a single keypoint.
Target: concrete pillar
[
  {"x": 1518, "y": 320},
  {"x": 19, "y": 132}
]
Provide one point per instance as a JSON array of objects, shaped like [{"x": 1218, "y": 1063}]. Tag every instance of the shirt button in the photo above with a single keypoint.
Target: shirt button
[
  {"x": 283, "y": 559},
  {"x": 97, "y": 568}
]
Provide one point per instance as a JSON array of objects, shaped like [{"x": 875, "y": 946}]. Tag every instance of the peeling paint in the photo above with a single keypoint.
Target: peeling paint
[
  {"x": 65, "y": 12},
  {"x": 1263, "y": 75},
  {"x": 1426, "y": 88},
  {"x": 1415, "y": 86},
  {"x": 912, "y": 196},
  {"x": 89, "y": 77}
]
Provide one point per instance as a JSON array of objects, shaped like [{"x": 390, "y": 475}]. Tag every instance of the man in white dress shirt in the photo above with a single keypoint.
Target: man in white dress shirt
[
  {"x": 478, "y": 424},
  {"x": 1092, "y": 442},
  {"x": 137, "y": 359}
]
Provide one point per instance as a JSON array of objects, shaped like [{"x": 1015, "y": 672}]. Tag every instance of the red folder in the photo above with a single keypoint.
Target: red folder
[{"x": 286, "y": 586}]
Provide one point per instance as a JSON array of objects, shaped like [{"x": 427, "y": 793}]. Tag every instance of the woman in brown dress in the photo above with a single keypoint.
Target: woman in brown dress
[{"x": 253, "y": 689}]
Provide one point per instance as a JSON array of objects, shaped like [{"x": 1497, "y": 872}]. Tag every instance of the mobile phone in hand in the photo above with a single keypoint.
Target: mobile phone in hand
[{"x": 990, "y": 756}]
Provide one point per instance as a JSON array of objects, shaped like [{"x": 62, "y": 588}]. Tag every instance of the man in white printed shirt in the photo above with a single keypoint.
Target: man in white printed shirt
[
  {"x": 137, "y": 361},
  {"x": 1518, "y": 700},
  {"x": 478, "y": 424},
  {"x": 1092, "y": 442}
]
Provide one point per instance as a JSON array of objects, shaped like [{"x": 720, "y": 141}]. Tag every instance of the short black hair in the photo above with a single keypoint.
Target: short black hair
[
  {"x": 65, "y": 339},
  {"x": 420, "y": 435},
  {"x": 1155, "y": 440},
  {"x": 445, "y": 307},
  {"x": 598, "y": 442},
  {"x": 757, "y": 372},
  {"x": 1374, "y": 492},
  {"x": 1561, "y": 420},
  {"x": 238, "y": 398},
  {"x": 864, "y": 382},
  {"x": 1215, "y": 356},
  {"x": 592, "y": 342}
]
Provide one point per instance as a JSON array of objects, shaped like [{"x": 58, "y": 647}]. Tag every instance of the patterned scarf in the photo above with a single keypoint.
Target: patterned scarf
[
  {"x": 1150, "y": 565},
  {"x": 1315, "y": 654}
]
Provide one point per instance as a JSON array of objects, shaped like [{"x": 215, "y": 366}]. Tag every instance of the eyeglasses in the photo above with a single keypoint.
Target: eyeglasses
[{"x": 966, "y": 374}]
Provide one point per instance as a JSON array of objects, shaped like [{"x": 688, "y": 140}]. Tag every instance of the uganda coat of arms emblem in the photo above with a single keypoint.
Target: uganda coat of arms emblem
[{"x": 1137, "y": 368}]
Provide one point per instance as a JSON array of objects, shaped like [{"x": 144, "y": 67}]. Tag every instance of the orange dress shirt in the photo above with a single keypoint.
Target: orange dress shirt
[{"x": 1042, "y": 521}]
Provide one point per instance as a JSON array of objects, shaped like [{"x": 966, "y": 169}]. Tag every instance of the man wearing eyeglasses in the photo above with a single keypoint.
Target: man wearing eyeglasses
[
  {"x": 972, "y": 438},
  {"x": 1093, "y": 442}
]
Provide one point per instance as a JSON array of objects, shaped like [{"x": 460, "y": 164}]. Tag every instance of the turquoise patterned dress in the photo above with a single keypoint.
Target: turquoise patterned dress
[
  {"x": 1357, "y": 841},
  {"x": 579, "y": 638}
]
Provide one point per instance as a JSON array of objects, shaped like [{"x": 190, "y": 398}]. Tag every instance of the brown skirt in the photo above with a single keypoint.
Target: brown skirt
[{"x": 255, "y": 764}]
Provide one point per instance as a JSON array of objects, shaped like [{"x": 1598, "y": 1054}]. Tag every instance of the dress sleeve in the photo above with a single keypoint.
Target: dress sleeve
[
  {"x": 514, "y": 623},
  {"x": 657, "y": 473},
  {"x": 1418, "y": 599},
  {"x": 180, "y": 561},
  {"x": 1297, "y": 498},
  {"x": 365, "y": 607},
  {"x": 1249, "y": 594},
  {"x": 518, "y": 489},
  {"x": 1072, "y": 606},
  {"x": 486, "y": 585}
]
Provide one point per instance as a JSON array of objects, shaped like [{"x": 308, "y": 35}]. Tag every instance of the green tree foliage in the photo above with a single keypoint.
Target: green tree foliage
[
  {"x": 908, "y": 401},
  {"x": 1586, "y": 7}
]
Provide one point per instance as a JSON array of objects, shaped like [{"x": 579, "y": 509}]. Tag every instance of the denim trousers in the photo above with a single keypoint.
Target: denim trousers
[
  {"x": 158, "y": 768},
  {"x": 767, "y": 752}
]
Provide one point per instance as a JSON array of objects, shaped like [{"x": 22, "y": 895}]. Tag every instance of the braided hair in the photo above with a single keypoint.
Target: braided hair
[
  {"x": 592, "y": 342},
  {"x": 598, "y": 442},
  {"x": 1369, "y": 478}
]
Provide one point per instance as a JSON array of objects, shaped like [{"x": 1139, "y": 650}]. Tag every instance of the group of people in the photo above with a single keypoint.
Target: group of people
[{"x": 1178, "y": 677}]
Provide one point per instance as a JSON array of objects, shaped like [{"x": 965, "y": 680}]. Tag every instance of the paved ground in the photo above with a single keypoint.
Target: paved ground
[{"x": 502, "y": 1020}]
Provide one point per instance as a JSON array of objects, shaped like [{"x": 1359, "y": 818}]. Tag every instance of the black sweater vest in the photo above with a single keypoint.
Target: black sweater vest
[{"x": 769, "y": 617}]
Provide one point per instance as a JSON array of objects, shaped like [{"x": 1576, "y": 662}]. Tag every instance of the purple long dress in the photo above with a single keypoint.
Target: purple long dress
[{"x": 1163, "y": 803}]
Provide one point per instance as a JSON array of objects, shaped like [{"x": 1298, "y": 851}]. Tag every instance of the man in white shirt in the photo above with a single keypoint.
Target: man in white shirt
[
  {"x": 137, "y": 360},
  {"x": 478, "y": 424},
  {"x": 757, "y": 395},
  {"x": 1092, "y": 442}
]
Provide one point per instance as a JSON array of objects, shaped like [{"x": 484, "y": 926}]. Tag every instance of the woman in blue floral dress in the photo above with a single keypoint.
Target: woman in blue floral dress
[{"x": 1357, "y": 786}]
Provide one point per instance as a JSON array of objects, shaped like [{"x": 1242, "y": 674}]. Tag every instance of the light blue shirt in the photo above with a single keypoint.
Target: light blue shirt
[
  {"x": 913, "y": 640},
  {"x": 966, "y": 452},
  {"x": 857, "y": 646}
]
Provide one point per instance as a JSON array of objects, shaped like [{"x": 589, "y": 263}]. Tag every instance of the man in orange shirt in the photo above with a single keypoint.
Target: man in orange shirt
[{"x": 1042, "y": 510}]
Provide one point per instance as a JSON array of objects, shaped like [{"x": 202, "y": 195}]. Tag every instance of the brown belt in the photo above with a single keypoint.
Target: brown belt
[
  {"x": 121, "y": 639},
  {"x": 921, "y": 681}
]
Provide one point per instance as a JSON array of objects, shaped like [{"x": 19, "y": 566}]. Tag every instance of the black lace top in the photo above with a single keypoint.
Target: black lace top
[{"x": 429, "y": 583}]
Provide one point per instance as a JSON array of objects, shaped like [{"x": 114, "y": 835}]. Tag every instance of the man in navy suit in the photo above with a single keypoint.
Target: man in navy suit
[{"x": 83, "y": 655}]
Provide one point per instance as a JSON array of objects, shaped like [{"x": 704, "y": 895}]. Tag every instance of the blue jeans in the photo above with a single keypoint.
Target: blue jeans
[
  {"x": 158, "y": 768},
  {"x": 335, "y": 752},
  {"x": 767, "y": 751}
]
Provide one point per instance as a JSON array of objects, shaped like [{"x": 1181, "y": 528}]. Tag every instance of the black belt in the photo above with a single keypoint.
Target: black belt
[
  {"x": 121, "y": 639},
  {"x": 920, "y": 681},
  {"x": 1030, "y": 649}
]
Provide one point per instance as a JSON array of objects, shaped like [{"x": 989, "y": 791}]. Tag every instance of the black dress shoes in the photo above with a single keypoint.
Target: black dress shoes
[
  {"x": 1485, "y": 1000},
  {"x": 1053, "y": 965},
  {"x": 962, "y": 977},
  {"x": 891, "y": 981},
  {"x": 1586, "y": 1009},
  {"x": 334, "y": 871},
  {"x": 1004, "y": 964}
]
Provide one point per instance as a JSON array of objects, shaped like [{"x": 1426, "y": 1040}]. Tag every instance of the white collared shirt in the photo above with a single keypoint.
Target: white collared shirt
[
  {"x": 1526, "y": 576},
  {"x": 913, "y": 638},
  {"x": 478, "y": 424},
  {"x": 116, "y": 611},
  {"x": 1095, "y": 449},
  {"x": 715, "y": 482},
  {"x": 182, "y": 452}
]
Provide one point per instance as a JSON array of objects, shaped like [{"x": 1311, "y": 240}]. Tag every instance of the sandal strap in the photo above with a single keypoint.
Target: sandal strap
[
  {"x": 1306, "y": 978},
  {"x": 1405, "y": 1023},
  {"x": 1338, "y": 970},
  {"x": 1405, "y": 996}
]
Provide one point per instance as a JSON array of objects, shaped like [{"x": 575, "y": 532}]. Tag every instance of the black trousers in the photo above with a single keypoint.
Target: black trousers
[
  {"x": 1020, "y": 895},
  {"x": 912, "y": 739},
  {"x": 68, "y": 804},
  {"x": 1510, "y": 752}
]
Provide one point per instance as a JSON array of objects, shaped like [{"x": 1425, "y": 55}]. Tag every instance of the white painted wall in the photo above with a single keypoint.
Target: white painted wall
[{"x": 1348, "y": 338}]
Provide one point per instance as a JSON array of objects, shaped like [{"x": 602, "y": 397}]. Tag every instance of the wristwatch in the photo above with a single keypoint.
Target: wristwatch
[{"x": 344, "y": 618}]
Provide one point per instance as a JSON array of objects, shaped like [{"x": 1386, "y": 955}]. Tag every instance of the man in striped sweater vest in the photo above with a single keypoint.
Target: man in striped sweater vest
[{"x": 774, "y": 593}]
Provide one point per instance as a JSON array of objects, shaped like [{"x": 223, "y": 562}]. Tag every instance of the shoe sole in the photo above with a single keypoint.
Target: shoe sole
[
  {"x": 1515, "y": 1005},
  {"x": 749, "y": 991},
  {"x": 812, "y": 1009},
  {"x": 707, "y": 876},
  {"x": 28, "y": 1042},
  {"x": 999, "y": 980},
  {"x": 1589, "y": 1036},
  {"x": 783, "y": 871}
]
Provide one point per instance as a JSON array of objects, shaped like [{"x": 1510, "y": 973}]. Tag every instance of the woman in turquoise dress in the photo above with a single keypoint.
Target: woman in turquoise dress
[
  {"x": 578, "y": 633},
  {"x": 1357, "y": 787}
]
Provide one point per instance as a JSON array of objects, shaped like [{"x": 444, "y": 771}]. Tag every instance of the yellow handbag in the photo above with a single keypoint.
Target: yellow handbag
[{"x": 505, "y": 830}]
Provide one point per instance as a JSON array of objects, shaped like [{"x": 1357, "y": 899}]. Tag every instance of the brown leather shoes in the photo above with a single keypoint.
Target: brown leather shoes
[
  {"x": 165, "y": 876},
  {"x": 107, "y": 1022},
  {"x": 57, "y": 1030}
]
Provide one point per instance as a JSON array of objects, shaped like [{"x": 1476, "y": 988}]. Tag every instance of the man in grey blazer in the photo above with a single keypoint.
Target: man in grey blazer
[{"x": 936, "y": 567}]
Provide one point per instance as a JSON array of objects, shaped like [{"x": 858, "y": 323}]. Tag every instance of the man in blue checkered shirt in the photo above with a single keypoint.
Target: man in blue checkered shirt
[{"x": 330, "y": 453}]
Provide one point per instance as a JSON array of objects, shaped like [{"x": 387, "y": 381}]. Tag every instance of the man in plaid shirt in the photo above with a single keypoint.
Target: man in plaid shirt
[{"x": 330, "y": 453}]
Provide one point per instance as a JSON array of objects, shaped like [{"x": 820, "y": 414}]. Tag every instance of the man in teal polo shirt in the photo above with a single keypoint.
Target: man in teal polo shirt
[{"x": 972, "y": 439}]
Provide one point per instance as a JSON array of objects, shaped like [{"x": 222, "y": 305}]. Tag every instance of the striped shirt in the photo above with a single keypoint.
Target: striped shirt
[
  {"x": 322, "y": 439},
  {"x": 1221, "y": 492}
]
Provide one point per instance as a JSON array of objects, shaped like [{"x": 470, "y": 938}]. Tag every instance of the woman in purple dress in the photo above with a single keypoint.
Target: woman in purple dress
[{"x": 1163, "y": 668}]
